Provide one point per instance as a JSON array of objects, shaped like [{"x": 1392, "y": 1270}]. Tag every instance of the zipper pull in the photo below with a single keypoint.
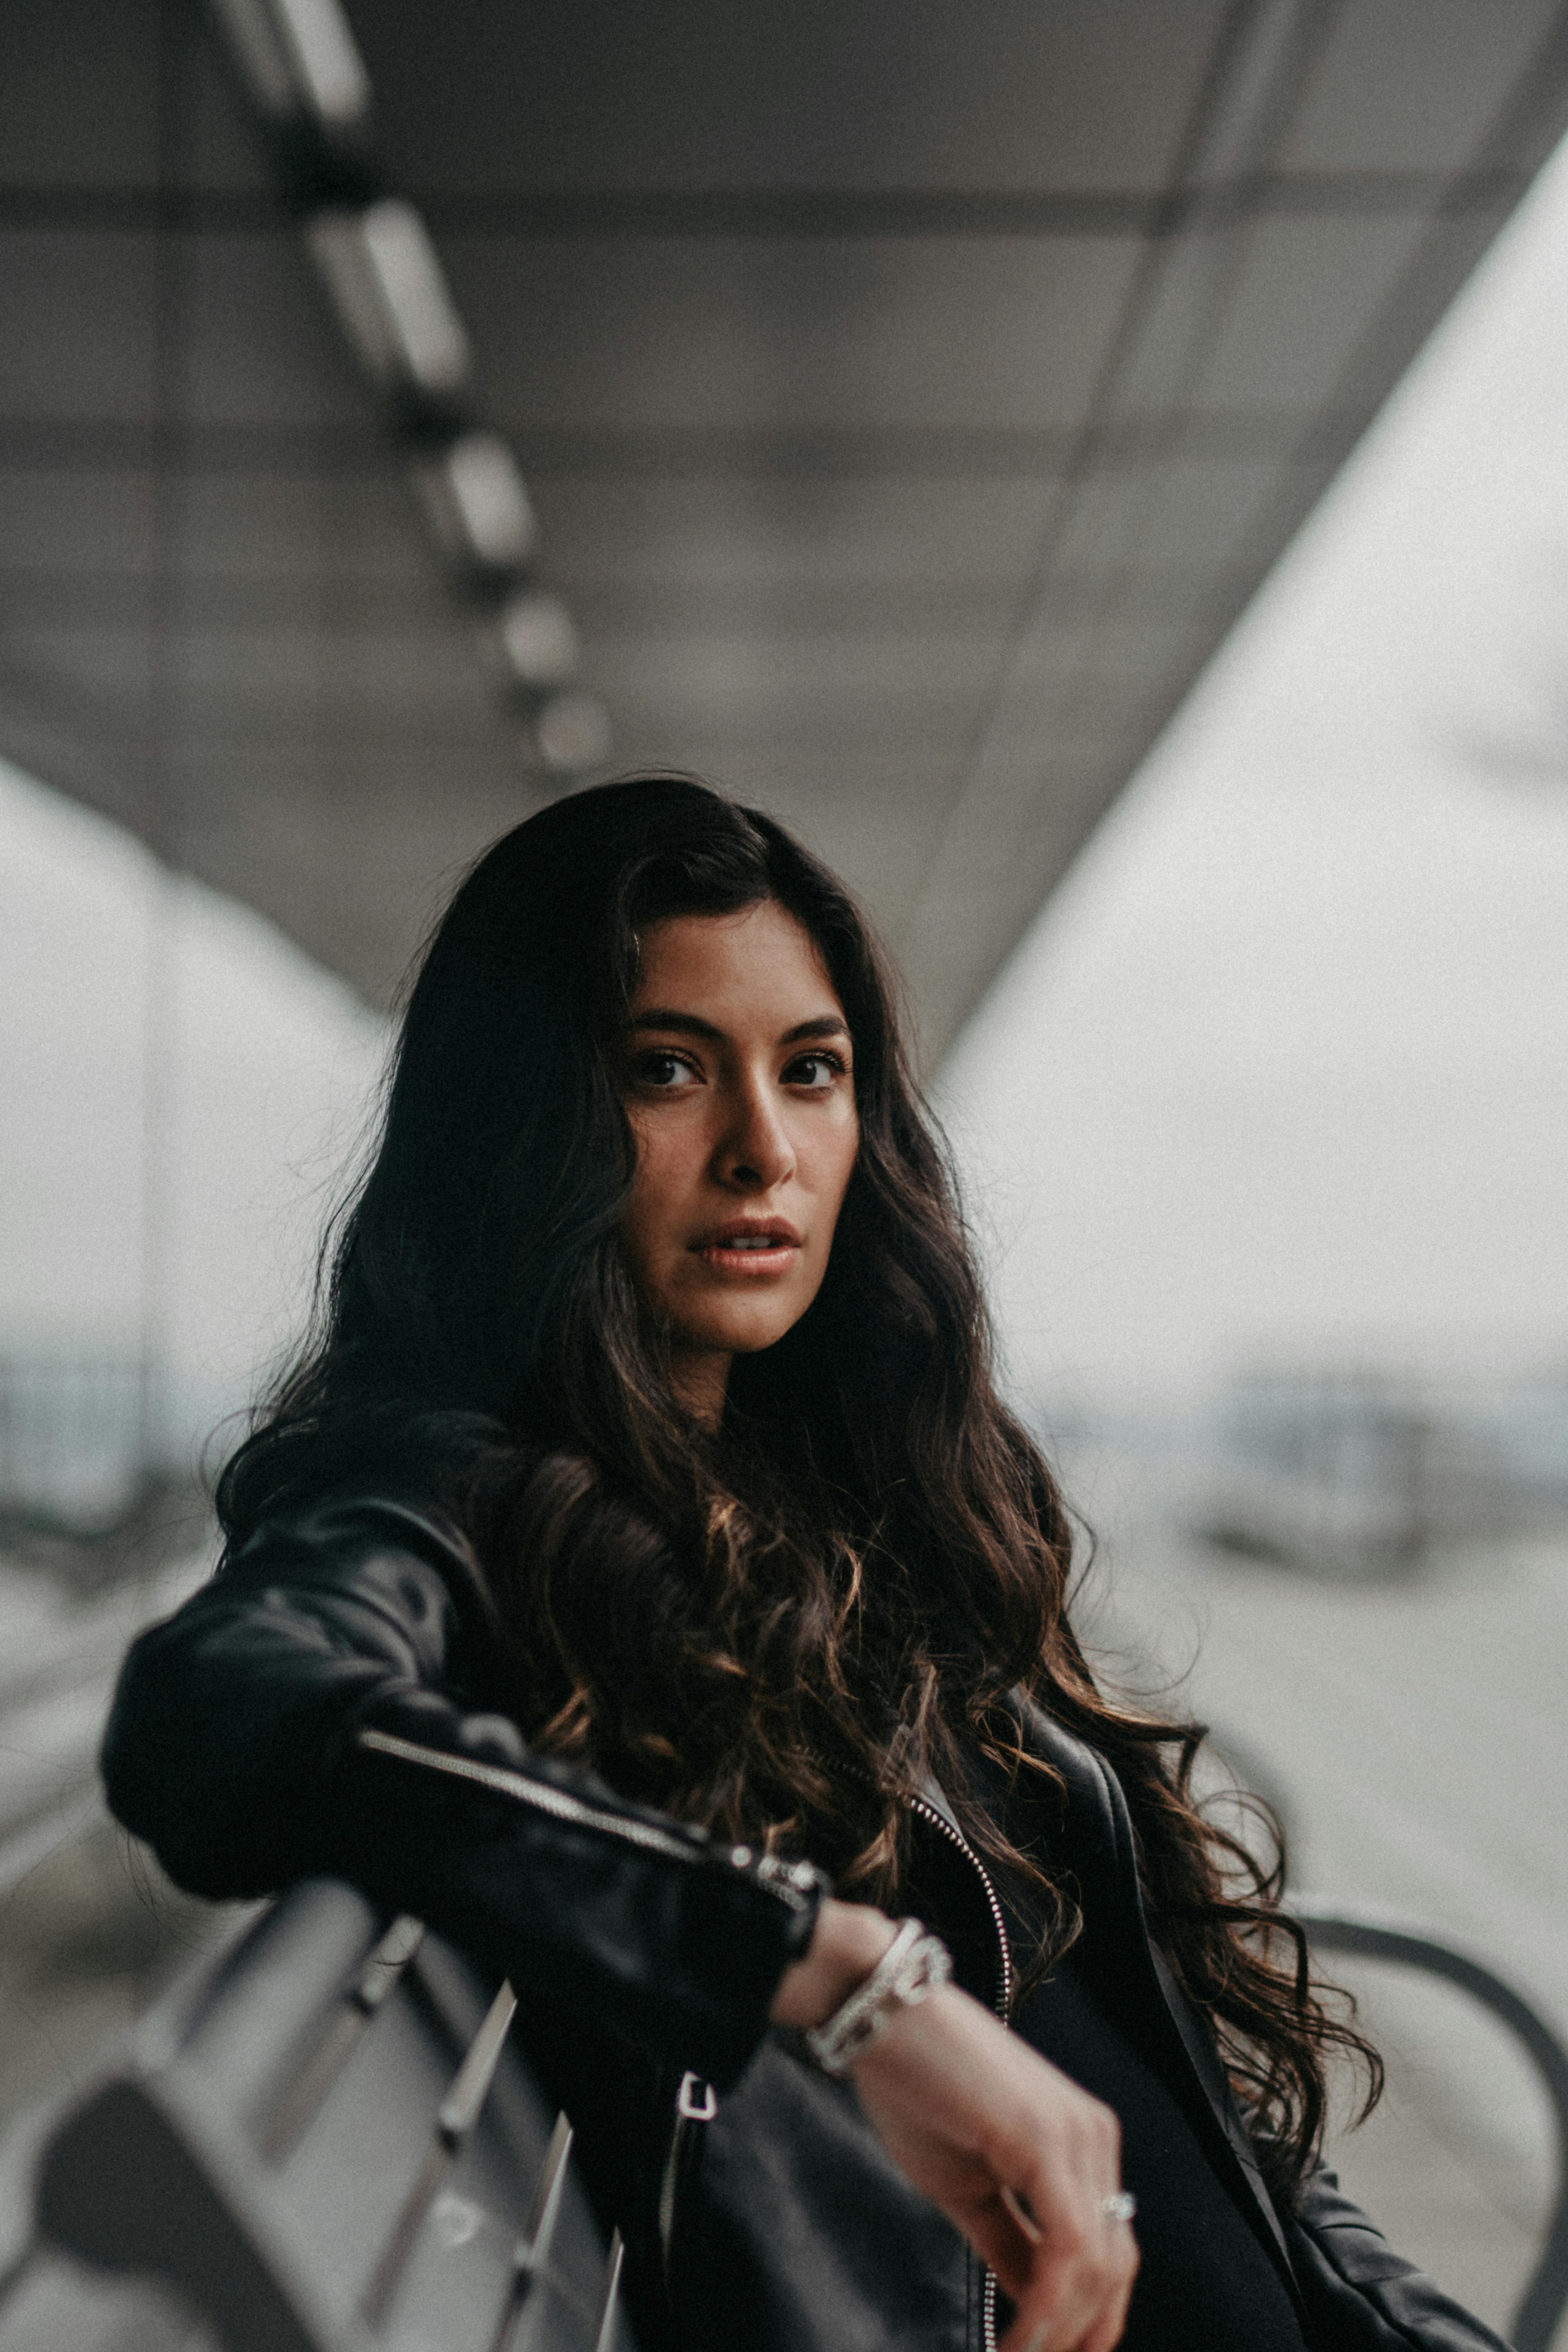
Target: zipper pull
[{"x": 696, "y": 2102}]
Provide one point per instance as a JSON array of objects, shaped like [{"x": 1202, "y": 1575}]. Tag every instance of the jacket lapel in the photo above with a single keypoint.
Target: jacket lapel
[{"x": 1099, "y": 1832}]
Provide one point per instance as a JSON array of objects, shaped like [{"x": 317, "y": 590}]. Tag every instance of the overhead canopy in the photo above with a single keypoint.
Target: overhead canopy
[{"x": 910, "y": 393}]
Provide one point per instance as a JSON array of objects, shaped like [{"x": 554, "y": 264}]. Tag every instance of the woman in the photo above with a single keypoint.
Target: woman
[{"x": 639, "y": 1579}]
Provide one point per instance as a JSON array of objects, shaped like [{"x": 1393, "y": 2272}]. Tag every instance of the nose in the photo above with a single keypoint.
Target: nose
[{"x": 754, "y": 1151}]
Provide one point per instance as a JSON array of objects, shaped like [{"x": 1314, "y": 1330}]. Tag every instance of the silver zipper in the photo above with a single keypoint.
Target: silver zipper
[
  {"x": 988, "y": 2311},
  {"x": 939, "y": 1821},
  {"x": 696, "y": 2102},
  {"x": 542, "y": 1795},
  {"x": 793, "y": 1882},
  {"x": 1003, "y": 2002},
  {"x": 669, "y": 2182}
]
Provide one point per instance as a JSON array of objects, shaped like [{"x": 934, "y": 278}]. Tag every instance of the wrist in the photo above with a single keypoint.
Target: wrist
[
  {"x": 849, "y": 1940},
  {"x": 915, "y": 1965}
]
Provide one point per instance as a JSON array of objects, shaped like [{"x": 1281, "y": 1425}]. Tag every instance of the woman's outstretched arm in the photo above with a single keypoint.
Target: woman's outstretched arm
[
  {"x": 300, "y": 1715},
  {"x": 1018, "y": 2158}
]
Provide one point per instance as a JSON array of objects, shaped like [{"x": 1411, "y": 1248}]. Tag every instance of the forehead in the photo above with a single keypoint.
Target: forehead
[{"x": 761, "y": 959}]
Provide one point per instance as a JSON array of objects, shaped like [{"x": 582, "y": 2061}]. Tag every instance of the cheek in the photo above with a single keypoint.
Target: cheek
[
  {"x": 834, "y": 1166},
  {"x": 659, "y": 1182}
]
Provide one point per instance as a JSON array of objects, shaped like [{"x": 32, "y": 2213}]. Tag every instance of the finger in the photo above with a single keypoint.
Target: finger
[
  {"x": 1067, "y": 2297},
  {"x": 1107, "y": 2331},
  {"x": 1021, "y": 2214},
  {"x": 999, "y": 2238},
  {"x": 1079, "y": 2283},
  {"x": 1068, "y": 2180},
  {"x": 1064, "y": 2265},
  {"x": 1054, "y": 2336},
  {"x": 1040, "y": 2207}
]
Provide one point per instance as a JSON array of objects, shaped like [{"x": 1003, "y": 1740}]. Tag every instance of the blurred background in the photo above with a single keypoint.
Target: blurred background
[{"x": 1098, "y": 470}]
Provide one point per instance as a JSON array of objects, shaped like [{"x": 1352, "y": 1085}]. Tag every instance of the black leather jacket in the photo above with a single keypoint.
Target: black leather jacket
[{"x": 328, "y": 1704}]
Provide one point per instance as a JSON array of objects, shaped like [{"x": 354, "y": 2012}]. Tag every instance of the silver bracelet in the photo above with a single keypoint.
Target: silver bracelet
[{"x": 913, "y": 1965}]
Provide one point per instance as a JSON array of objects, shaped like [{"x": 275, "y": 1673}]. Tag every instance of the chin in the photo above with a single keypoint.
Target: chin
[
  {"x": 747, "y": 1335},
  {"x": 756, "y": 1337}
]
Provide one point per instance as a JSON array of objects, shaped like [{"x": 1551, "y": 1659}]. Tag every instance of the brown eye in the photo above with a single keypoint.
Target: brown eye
[
  {"x": 661, "y": 1072},
  {"x": 815, "y": 1072}
]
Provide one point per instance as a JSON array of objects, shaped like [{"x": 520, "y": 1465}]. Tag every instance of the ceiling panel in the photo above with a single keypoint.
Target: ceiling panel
[
  {"x": 1086, "y": 94},
  {"x": 316, "y": 532},
  {"x": 852, "y": 687},
  {"x": 328, "y": 605},
  {"x": 1100, "y": 662},
  {"x": 97, "y": 524},
  {"x": 360, "y": 851},
  {"x": 1408, "y": 85},
  {"x": 792, "y": 332},
  {"x": 79, "y": 99},
  {"x": 1191, "y": 517},
  {"x": 260, "y": 346},
  {"x": 77, "y": 313},
  {"x": 1306, "y": 294},
  {"x": 99, "y": 661},
  {"x": 652, "y": 535}
]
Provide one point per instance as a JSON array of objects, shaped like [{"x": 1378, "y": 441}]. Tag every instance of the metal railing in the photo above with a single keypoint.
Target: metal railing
[
  {"x": 1331, "y": 1929},
  {"x": 60, "y": 1655},
  {"x": 328, "y": 2140}
]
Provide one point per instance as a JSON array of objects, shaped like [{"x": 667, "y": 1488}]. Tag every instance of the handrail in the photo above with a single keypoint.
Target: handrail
[
  {"x": 1331, "y": 1927},
  {"x": 323, "y": 2139}
]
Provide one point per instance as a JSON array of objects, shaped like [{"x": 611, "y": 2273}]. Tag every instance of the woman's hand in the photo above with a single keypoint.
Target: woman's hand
[{"x": 1018, "y": 2158}]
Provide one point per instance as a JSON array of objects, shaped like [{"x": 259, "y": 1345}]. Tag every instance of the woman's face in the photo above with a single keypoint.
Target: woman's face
[{"x": 737, "y": 1068}]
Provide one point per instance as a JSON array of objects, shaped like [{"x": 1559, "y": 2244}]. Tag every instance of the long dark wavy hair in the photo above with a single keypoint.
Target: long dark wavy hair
[{"x": 779, "y": 1627}]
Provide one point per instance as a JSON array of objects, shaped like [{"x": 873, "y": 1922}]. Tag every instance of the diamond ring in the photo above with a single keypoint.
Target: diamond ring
[{"x": 1119, "y": 2208}]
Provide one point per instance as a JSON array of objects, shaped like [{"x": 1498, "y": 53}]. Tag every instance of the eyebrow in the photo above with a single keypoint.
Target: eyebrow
[{"x": 690, "y": 1025}]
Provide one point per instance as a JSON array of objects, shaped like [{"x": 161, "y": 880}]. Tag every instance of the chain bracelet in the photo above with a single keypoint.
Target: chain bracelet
[{"x": 914, "y": 1964}]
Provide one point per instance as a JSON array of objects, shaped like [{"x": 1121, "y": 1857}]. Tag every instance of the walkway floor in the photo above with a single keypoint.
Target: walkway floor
[{"x": 1414, "y": 1735}]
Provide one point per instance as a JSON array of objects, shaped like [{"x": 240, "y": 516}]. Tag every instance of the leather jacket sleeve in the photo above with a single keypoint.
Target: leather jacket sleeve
[
  {"x": 311, "y": 1711},
  {"x": 1358, "y": 2293}
]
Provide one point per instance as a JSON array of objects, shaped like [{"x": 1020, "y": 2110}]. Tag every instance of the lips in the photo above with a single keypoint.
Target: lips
[
  {"x": 750, "y": 1234},
  {"x": 753, "y": 1247}
]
